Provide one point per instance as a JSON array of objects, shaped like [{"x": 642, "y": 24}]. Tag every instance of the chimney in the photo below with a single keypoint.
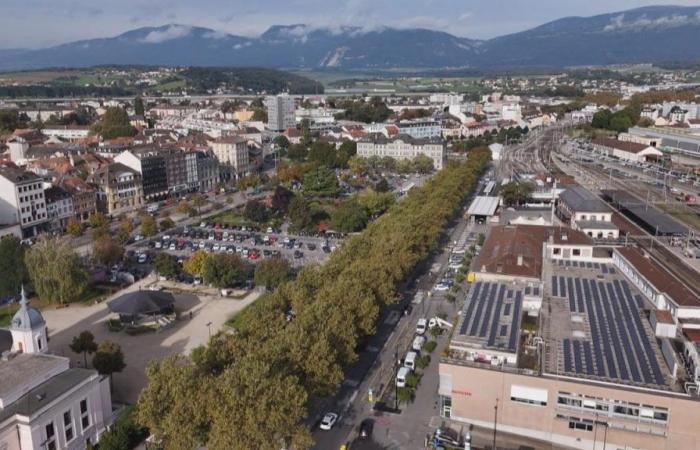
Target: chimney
[{"x": 520, "y": 260}]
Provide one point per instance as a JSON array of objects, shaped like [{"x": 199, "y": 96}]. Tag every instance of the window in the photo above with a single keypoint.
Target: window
[
  {"x": 68, "y": 426},
  {"x": 578, "y": 424},
  {"x": 556, "y": 251},
  {"x": 528, "y": 395},
  {"x": 84, "y": 414},
  {"x": 38, "y": 342},
  {"x": 50, "y": 436},
  {"x": 576, "y": 252}
]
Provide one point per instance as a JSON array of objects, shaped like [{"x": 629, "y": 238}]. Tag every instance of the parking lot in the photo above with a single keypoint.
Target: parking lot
[{"x": 250, "y": 245}]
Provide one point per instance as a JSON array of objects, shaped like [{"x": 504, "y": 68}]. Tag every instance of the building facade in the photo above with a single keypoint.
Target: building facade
[
  {"x": 403, "y": 147},
  {"x": 119, "y": 189},
  {"x": 84, "y": 197},
  {"x": 232, "y": 154},
  {"x": 280, "y": 112},
  {"x": 59, "y": 206},
  {"x": 22, "y": 200}
]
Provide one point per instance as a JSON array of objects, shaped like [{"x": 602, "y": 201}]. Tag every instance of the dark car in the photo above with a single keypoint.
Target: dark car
[
  {"x": 311, "y": 246},
  {"x": 326, "y": 249},
  {"x": 366, "y": 427},
  {"x": 298, "y": 254}
]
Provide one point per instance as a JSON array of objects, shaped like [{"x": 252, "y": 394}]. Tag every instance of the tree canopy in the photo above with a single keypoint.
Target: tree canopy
[
  {"x": 115, "y": 123},
  {"x": 12, "y": 267},
  {"x": 56, "y": 272},
  {"x": 264, "y": 375}
]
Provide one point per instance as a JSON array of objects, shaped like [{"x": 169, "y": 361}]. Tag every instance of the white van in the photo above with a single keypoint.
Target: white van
[
  {"x": 418, "y": 343},
  {"x": 410, "y": 361},
  {"x": 401, "y": 376},
  {"x": 421, "y": 326}
]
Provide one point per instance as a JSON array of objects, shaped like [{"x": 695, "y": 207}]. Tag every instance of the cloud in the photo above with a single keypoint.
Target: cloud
[
  {"x": 675, "y": 20},
  {"x": 465, "y": 16},
  {"x": 168, "y": 34},
  {"x": 215, "y": 35},
  {"x": 240, "y": 46}
]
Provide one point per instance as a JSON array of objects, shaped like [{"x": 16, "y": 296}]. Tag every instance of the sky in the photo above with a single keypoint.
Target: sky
[{"x": 42, "y": 23}]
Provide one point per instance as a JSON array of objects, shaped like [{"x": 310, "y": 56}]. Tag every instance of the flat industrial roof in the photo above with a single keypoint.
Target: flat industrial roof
[
  {"x": 490, "y": 318},
  {"x": 484, "y": 206},
  {"x": 655, "y": 221},
  {"x": 598, "y": 330}
]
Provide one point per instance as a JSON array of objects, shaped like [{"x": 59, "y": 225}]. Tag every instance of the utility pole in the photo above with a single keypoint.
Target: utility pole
[{"x": 495, "y": 422}]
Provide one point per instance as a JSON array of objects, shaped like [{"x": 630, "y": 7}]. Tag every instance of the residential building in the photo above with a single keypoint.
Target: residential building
[
  {"x": 44, "y": 403},
  {"x": 402, "y": 147},
  {"x": 59, "y": 207},
  {"x": 84, "y": 197},
  {"x": 150, "y": 163},
  {"x": 119, "y": 188},
  {"x": 207, "y": 171},
  {"x": 67, "y": 132},
  {"x": 22, "y": 200},
  {"x": 232, "y": 153},
  {"x": 280, "y": 112},
  {"x": 511, "y": 112}
]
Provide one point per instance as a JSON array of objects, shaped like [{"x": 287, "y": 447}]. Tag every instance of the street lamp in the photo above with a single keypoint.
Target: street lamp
[{"x": 209, "y": 327}]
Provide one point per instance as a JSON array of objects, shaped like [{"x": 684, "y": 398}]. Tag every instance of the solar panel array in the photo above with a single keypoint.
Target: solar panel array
[
  {"x": 585, "y": 265},
  {"x": 491, "y": 316},
  {"x": 620, "y": 348}
]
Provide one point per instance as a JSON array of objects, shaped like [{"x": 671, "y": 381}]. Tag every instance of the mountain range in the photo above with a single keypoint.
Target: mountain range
[{"x": 642, "y": 35}]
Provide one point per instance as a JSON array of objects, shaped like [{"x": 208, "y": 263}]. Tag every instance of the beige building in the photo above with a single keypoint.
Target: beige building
[
  {"x": 402, "y": 147},
  {"x": 232, "y": 153},
  {"x": 119, "y": 188}
]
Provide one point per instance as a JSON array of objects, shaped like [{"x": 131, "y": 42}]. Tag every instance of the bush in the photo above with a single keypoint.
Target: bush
[
  {"x": 435, "y": 332},
  {"x": 405, "y": 395},
  {"x": 413, "y": 379},
  {"x": 124, "y": 433},
  {"x": 429, "y": 346},
  {"x": 423, "y": 361},
  {"x": 450, "y": 297}
]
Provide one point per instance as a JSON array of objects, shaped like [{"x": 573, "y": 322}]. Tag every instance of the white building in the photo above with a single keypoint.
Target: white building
[
  {"x": 59, "y": 207},
  {"x": 44, "y": 403},
  {"x": 403, "y": 147},
  {"x": 67, "y": 132},
  {"x": 445, "y": 99},
  {"x": 232, "y": 153},
  {"x": 511, "y": 112},
  {"x": 420, "y": 129},
  {"x": 280, "y": 112},
  {"x": 627, "y": 150},
  {"x": 496, "y": 150},
  {"x": 22, "y": 200}
]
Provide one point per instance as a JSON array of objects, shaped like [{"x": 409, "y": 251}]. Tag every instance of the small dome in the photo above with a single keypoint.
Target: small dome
[{"x": 26, "y": 318}]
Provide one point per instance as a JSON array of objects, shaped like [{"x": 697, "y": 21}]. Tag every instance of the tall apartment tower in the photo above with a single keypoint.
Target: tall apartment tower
[{"x": 280, "y": 112}]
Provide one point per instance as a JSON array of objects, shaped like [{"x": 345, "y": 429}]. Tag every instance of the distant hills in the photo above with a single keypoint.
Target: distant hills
[{"x": 643, "y": 35}]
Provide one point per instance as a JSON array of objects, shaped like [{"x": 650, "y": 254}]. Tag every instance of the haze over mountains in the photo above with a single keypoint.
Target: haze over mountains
[{"x": 643, "y": 35}]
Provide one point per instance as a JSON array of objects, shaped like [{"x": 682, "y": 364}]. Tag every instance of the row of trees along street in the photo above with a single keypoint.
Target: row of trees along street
[{"x": 292, "y": 344}]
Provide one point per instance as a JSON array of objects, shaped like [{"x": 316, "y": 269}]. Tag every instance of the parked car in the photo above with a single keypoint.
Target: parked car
[
  {"x": 421, "y": 326},
  {"x": 328, "y": 421}
]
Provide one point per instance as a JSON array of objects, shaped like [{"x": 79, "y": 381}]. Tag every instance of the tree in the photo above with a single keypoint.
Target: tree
[
  {"x": 322, "y": 153},
  {"x": 115, "y": 123},
  {"x": 108, "y": 359},
  {"x": 55, "y": 270},
  {"x": 280, "y": 200},
  {"x": 281, "y": 142},
  {"x": 224, "y": 270},
  {"x": 321, "y": 182},
  {"x": 259, "y": 115},
  {"x": 376, "y": 202},
  {"x": 97, "y": 220},
  {"x": 349, "y": 217},
  {"x": 138, "y": 106},
  {"x": 255, "y": 211},
  {"x": 382, "y": 185},
  {"x": 195, "y": 263},
  {"x": 272, "y": 272},
  {"x": 297, "y": 152},
  {"x": 166, "y": 265},
  {"x": 74, "y": 227},
  {"x": 620, "y": 123},
  {"x": 84, "y": 343},
  {"x": 106, "y": 250},
  {"x": 124, "y": 230},
  {"x": 148, "y": 225},
  {"x": 601, "y": 119},
  {"x": 12, "y": 267},
  {"x": 423, "y": 164},
  {"x": 516, "y": 193},
  {"x": 198, "y": 201},
  {"x": 347, "y": 150},
  {"x": 166, "y": 224}
]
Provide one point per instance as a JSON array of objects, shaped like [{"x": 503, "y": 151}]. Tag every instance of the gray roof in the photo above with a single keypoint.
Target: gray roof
[
  {"x": 484, "y": 206},
  {"x": 41, "y": 396},
  {"x": 596, "y": 225},
  {"x": 26, "y": 317},
  {"x": 15, "y": 370},
  {"x": 141, "y": 302},
  {"x": 18, "y": 176},
  {"x": 379, "y": 138},
  {"x": 580, "y": 199}
]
